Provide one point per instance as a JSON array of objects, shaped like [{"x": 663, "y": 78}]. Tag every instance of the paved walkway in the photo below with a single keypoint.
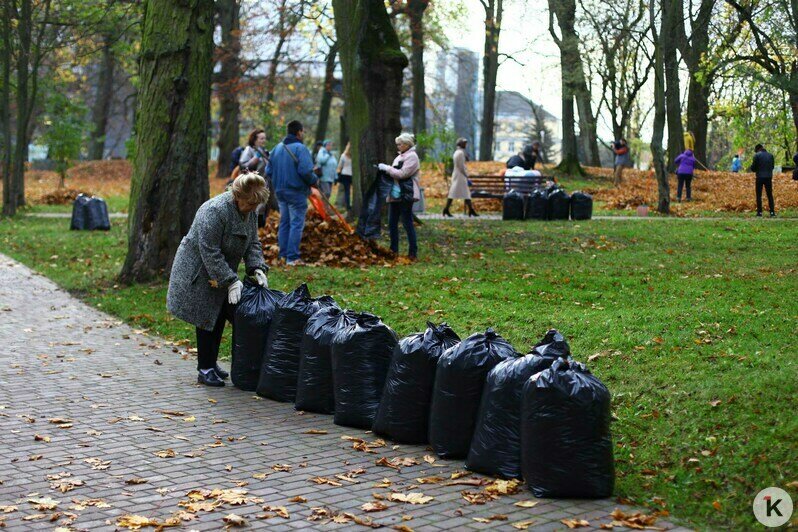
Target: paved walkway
[{"x": 98, "y": 420}]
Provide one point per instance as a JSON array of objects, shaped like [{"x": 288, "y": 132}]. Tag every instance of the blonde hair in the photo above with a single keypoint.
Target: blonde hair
[
  {"x": 251, "y": 188},
  {"x": 407, "y": 139}
]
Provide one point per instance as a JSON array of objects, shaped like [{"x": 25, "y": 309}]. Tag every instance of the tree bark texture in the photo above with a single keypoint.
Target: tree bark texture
[
  {"x": 327, "y": 93},
  {"x": 660, "y": 114},
  {"x": 23, "y": 100},
  {"x": 170, "y": 169},
  {"x": 227, "y": 86},
  {"x": 671, "y": 18},
  {"x": 9, "y": 191},
  {"x": 372, "y": 62},
  {"x": 490, "y": 68},
  {"x": 415, "y": 11},
  {"x": 102, "y": 99}
]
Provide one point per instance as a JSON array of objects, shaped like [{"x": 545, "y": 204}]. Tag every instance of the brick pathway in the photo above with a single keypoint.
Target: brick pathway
[{"x": 88, "y": 402}]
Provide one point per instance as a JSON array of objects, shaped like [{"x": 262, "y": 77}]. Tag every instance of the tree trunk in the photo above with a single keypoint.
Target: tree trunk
[
  {"x": 660, "y": 112},
  {"x": 327, "y": 94},
  {"x": 415, "y": 11},
  {"x": 9, "y": 192},
  {"x": 490, "y": 69},
  {"x": 670, "y": 19},
  {"x": 102, "y": 100},
  {"x": 170, "y": 169},
  {"x": 697, "y": 115},
  {"x": 372, "y": 63},
  {"x": 229, "y": 12},
  {"x": 25, "y": 29},
  {"x": 794, "y": 107}
]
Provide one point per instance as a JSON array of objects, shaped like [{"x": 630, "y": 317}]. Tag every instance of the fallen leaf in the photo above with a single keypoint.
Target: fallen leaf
[
  {"x": 413, "y": 497},
  {"x": 403, "y": 528},
  {"x": 34, "y": 457},
  {"x": 298, "y": 498},
  {"x": 467, "y": 482},
  {"x": 260, "y": 476},
  {"x": 430, "y": 480},
  {"x": 45, "y": 439},
  {"x": 429, "y": 459},
  {"x": 136, "y": 481},
  {"x": 374, "y": 506},
  {"x": 8, "y": 509},
  {"x": 214, "y": 284},
  {"x": 716, "y": 505},
  {"x": 503, "y": 487},
  {"x": 459, "y": 474},
  {"x": 316, "y": 431},
  {"x": 44, "y": 503},
  {"x": 98, "y": 464},
  {"x": 166, "y": 453},
  {"x": 496, "y": 517},
  {"x": 233, "y": 519},
  {"x": 325, "y": 480},
  {"x": 523, "y": 525},
  {"x": 526, "y": 504},
  {"x": 477, "y": 497},
  {"x": 281, "y": 467},
  {"x": 574, "y": 523},
  {"x": 279, "y": 511}
]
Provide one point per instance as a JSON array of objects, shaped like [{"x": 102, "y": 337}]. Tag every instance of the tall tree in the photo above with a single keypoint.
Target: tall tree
[
  {"x": 102, "y": 98},
  {"x": 772, "y": 48},
  {"x": 568, "y": 43},
  {"x": 228, "y": 13},
  {"x": 327, "y": 93},
  {"x": 372, "y": 62},
  {"x": 9, "y": 191},
  {"x": 671, "y": 19},
  {"x": 170, "y": 170},
  {"x": 494, "y": 10},
  {"x": 660, "y": 111},
  {"x": 415, "y": 12}
]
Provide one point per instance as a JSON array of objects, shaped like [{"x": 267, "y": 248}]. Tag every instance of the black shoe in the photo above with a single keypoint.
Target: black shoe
[
  {"x": 220, "y": 372},
  {"x": 473, "y": 213},
  {"x": 446, "y": 213},
  {"x": 759, "y": 215},
  {"x": 772, "y": 214},
  {"x": 209, "y": 379}
]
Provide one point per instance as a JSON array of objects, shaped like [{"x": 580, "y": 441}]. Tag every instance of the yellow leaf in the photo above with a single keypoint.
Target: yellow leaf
[
  {"x": 298, "y": 498},
  {"x": 430, "y": 480},
  {"x": 413, "y": 497},
  {"x": 526, "y": 504},
  {"x": 522, "y": 525},
  {"x": 234, "y": 520},
  {"x": 166, "y": 453},
  {"x": 44, "y": 503},
  {"x": 374, "y": 506},
  {"x": 574, "y": 523},
  {"x": 716, "y": 505},
  {"x": 316, "y": 431}
]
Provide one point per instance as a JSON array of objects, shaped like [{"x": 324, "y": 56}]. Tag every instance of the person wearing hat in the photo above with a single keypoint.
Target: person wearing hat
[
  {"x": 763, "y": 164},
  {"x": 328, "y": 164}
]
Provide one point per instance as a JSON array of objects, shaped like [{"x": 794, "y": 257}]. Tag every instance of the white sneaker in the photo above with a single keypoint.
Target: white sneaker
[{"x": 297, "y": 262}]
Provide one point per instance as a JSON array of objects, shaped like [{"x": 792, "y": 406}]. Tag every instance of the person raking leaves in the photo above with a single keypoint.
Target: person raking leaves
[{"x": 204, "y": 287}]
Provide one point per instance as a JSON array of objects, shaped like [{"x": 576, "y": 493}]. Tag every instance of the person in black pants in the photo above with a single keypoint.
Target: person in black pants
[
  {"x": 763, "y": 164},
  {"x": 404, "y": 192}
]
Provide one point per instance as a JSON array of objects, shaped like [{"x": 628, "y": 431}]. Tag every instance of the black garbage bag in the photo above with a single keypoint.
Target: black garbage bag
[
  {"x": 314, "y": 391},
  {"x": 459, "y": 380},
  {"x": 536, "y": 205},
  {"x": 513, "y": 206},
  {"x": 552, "y": 345},
  {"x": 361, "y": 354},
  {"x": 369, "y": 224},
  {"x": 280, "y": 368},
  {"x": 565, "y": 433},
  {"x": 403, "y": 415},
  {"x": 496, "y": 445},
  {"x": 559, "y": 204},
  {"x": 250, "y": 332},
  {"x": 581, "y": 206},
  {"x": 79, "y": 215}
]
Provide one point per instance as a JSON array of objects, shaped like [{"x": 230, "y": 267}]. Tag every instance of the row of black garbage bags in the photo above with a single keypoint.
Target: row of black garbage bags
[
  {"x": 542, "y": 417},
  {"x": 552, "y": 203}
]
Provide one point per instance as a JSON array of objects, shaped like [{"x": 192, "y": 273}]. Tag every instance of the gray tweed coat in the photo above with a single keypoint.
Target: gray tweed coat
[{"x": 207, "y": 260}]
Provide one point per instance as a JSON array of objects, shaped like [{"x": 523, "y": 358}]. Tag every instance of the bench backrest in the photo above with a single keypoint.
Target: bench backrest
[{"x": 497, "y": 185}]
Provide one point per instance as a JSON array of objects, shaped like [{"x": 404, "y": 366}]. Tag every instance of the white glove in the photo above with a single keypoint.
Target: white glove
[
  {"x": 260, "y": 276},
  {"x": 383, "y": 167},
  {"x": 234, "y": 292}
]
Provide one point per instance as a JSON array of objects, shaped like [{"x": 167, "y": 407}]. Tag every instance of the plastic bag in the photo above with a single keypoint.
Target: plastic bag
[
  {"x": 361, "y": 354},
  {"x": 79, "y": 221},
  {"x": 90, "y": 214},
  {"x": 581, "y": 206},
  {"x": 250, "y": 332},
  {"x": 565, "y": 433},
  {"x": 552, "y": 345},
  {"x": 314, "y": 391},
  {"x": 496, "y": 445},
  {"x": 513, "y": 206},
  {"x": 280, "y": 368},
  {"x": 559, "y": 205},
  {"x": 536, "y": 205},
  {"x": 459, "y": 380},
  {"x": 403, "y": 415}
]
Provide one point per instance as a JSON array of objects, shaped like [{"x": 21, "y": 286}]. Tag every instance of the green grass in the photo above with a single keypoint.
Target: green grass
[{"x": 690, "y": 324}]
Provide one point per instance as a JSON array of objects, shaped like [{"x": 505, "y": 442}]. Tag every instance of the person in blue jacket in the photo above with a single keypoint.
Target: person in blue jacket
[
  {"x": 291, "y": 171},
  {"x": 737, "y": 164}
]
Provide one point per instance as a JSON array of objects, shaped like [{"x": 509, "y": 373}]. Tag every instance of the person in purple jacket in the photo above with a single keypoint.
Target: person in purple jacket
[{"x": 684, "y": 173}]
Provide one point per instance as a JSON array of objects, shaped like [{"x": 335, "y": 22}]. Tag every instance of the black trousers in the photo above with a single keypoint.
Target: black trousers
[
  {"x": 208, "y": 341},
  {"x": 768, "y": 184},
  {"x": 685, "y": 180}
]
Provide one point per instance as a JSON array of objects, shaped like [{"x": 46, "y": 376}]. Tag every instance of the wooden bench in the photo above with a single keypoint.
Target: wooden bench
[{"x": 496, "y": 186}]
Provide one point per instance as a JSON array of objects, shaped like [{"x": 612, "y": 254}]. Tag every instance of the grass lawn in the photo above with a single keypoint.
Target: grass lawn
[{"x": 691, "y": 324}]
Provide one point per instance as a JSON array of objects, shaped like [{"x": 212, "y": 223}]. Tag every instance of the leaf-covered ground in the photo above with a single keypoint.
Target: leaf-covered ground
[{"x": 690, "y": 323}]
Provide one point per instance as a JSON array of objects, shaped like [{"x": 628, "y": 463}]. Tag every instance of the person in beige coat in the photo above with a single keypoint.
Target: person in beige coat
[{"x": 459, "y": 187}]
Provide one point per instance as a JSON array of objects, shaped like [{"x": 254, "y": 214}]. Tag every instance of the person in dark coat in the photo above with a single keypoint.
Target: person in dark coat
[
  {"x": 525, "y": 159},
  {"x": 763, "y": 164},
  {"x": 684, "y": 173},
  {"x": 204, "y": 287},
  {"x": 795, "y": 168}
]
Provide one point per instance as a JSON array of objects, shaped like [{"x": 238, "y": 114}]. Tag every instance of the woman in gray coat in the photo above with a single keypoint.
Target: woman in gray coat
[{"x": 204, "y": 286}]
